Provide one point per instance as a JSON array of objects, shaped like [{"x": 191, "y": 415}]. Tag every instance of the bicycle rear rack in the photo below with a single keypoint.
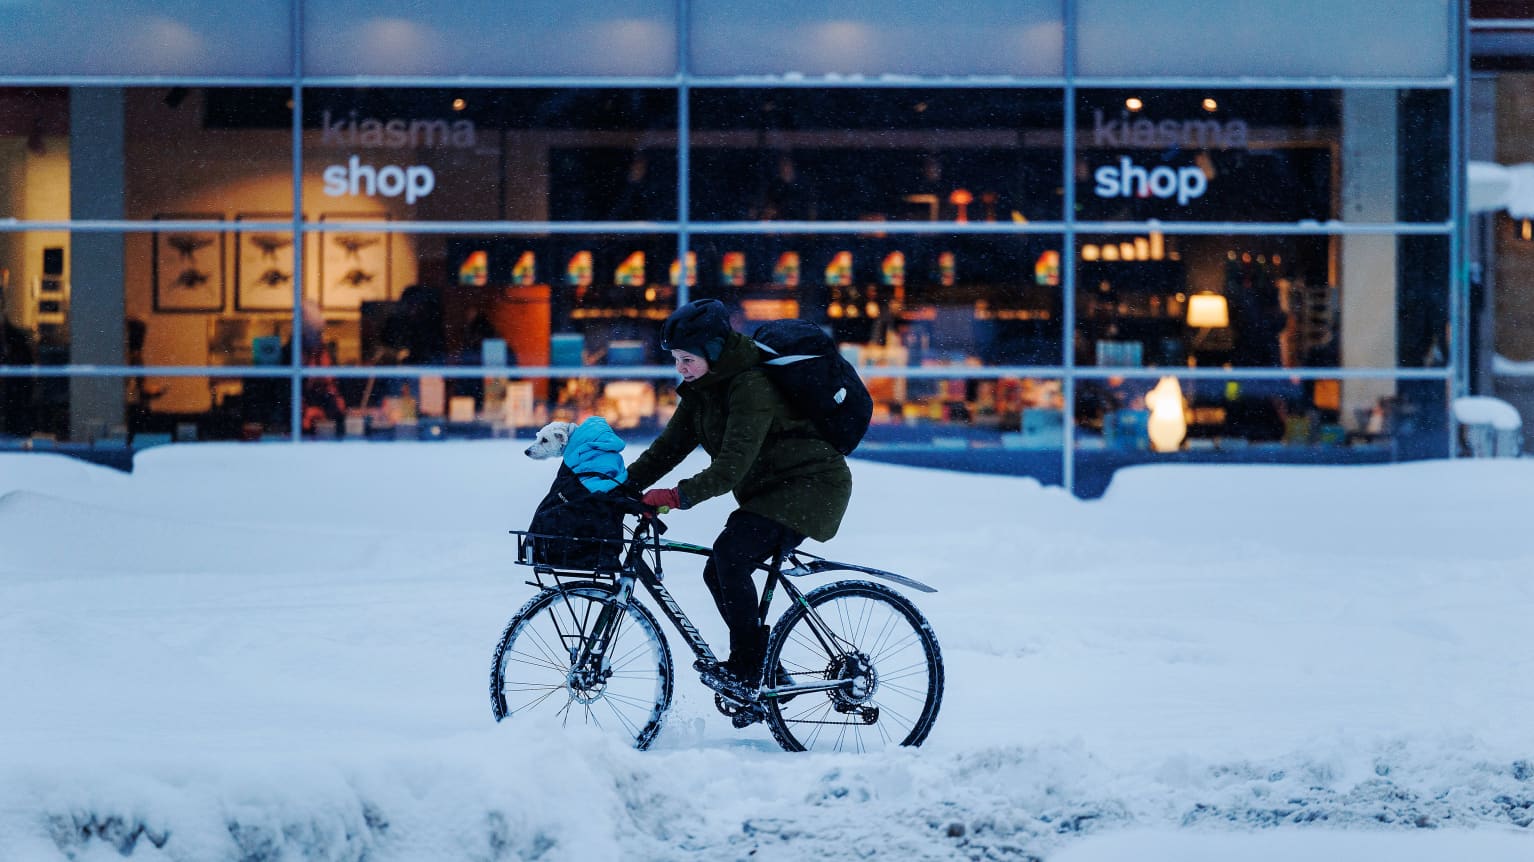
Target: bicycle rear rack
[{"x": 561, "y": 556}]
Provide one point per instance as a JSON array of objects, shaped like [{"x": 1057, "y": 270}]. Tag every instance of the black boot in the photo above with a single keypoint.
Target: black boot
[{"x": 746, "y": 653}]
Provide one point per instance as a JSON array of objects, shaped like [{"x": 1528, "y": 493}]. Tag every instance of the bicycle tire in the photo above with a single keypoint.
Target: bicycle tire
[
  {"x": 531, "y": 671},
  {"x": 904, "y": 688}
]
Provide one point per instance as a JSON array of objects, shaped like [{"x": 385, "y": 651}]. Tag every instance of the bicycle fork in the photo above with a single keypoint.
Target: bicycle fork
[{"x": 590, "y": 661}]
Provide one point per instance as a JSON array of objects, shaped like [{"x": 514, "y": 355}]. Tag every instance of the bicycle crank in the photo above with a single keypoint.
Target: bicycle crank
[{"x": 741, "y": 715}]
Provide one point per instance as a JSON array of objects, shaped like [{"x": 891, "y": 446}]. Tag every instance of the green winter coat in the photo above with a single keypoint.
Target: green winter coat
[{"x": 773, "y": 460}]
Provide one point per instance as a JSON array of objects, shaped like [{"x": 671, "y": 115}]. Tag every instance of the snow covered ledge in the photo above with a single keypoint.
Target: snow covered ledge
[{"x": 1491, "y": 427}]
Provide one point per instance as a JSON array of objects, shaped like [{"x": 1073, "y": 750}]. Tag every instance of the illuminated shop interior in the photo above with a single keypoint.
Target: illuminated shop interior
[{"x": 1015, "y": 244}]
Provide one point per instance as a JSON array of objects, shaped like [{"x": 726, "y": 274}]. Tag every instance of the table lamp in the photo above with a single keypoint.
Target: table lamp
[{"x": 1206, "y": 312}]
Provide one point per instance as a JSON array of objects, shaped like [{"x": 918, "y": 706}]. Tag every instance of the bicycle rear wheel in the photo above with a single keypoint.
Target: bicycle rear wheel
[
  {"x": 876, "y": 641},
  {"x": 534, "y": 671}
]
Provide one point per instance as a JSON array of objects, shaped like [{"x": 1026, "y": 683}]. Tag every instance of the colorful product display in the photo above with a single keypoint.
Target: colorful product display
[
  {"x": 526, "y": 270},
  {"x": 692, "y": 270},
  {"x": 839, "y": 270},
  {"x": 631, "y": 272},
  {"x": 732, "y": 270},
  {"x": 892, "y": 271},
  {"x": 1046, "y": 270},
  {"x": 786, "y": 271},
  {"x": 578, "y": 271},
  {"x": 475, "y": 270}
]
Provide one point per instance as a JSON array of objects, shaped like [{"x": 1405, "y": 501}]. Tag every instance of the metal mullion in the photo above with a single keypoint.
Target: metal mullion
[
  {"x": 296, "y": 123},
  {"x": 883, "y": 227},
  {"x": 486, "y": 82},
  {"x": 1460, "y": 319},
  {"x": 940, "y": 372},
  {"x": 1183, "y": 82},
  {"x": 1068, "y": 251},
  {"x": 1327, "y": 228},
  {"x": 1444, "y": 373},
  {"x": 766, "y": 82},
  {"x": 144, "y": 81},
  {"x": 683, "y": 148},
  {"x": 496, "y": 227}
]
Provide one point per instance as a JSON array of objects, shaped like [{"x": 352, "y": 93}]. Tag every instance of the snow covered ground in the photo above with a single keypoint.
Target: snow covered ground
[{"x": 245, "y": 652}]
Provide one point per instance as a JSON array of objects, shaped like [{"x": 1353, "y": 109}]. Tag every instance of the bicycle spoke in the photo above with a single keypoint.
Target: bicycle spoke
[
  {"x": 539, "y": 661},
  {"x": 622, "y": 719},
  {"x": 538, "y": 650},
  {"x": 868, "y": 625}
]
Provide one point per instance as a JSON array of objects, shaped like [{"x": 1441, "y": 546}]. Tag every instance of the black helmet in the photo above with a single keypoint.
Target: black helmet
[{"x": 699, "y": 327}]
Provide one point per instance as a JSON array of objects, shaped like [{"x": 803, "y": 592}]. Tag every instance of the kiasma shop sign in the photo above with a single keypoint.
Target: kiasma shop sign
[
  {"x": 1126, "y": 178},
  {"x": 359, "y": 177}
]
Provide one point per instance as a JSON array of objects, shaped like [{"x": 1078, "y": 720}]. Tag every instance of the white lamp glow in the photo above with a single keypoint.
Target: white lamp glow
[
  {"x": 1167, "y": 425},
  {"x": 1208, "y": 311}
]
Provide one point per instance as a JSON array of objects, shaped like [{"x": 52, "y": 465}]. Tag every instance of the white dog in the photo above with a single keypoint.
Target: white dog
[{"x": 550, "y": 441}]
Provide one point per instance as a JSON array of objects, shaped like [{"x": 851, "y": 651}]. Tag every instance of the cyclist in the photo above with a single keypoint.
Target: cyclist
[{"x": 788, "y": 482}]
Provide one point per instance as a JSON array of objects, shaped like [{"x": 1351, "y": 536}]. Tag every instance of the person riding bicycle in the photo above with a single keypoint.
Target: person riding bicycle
[{"x": 789, "y": 483}]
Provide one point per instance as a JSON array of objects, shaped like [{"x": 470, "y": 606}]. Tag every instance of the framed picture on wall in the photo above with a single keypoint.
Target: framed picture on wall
[
  {"x": 188, "y": 266},
  {"x": 354, "y": 264},
  {"x": 263, "y": 265}
]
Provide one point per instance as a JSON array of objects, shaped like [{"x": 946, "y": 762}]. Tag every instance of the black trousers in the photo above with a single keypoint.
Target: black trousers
[{"x": 747, "y": 539}]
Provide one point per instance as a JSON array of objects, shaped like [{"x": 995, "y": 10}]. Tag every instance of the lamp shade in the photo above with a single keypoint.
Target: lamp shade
[{"x": 1208, "y": 311}]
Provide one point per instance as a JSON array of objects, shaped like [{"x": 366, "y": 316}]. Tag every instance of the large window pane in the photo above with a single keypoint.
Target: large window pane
[
  {"x": 959, "y": 155},
  {"x": 147, "y": 37},
  {"x": 1235, "y": 420},
  {"x": 468, "y": 154},
  {"x": 144, "y": 152},
  {"x": 1309, "y": 38},
  {"x": 489, "y": 38},
  {"x": 34, "y": 153},
  {"x": 1263, "y": 155},
  {"x": 1293, "y": 301},
  {"x": 893, "y": 37}
]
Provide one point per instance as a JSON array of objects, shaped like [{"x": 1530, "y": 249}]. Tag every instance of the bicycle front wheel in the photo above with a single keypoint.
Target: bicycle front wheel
[
  {"x": 539, "y": 667},
  {"x": 879, "y": 646}
]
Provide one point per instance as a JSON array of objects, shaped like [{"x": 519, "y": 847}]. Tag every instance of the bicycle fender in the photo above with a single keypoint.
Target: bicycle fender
[{"x": 817, "y": 566}]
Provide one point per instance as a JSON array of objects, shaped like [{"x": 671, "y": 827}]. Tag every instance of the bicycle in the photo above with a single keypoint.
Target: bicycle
[{"x": 851, "y": 657}]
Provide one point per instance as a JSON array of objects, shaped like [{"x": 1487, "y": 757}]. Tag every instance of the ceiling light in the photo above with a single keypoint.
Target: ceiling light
[
  {"x": 1133, "y": 103},
  {"x": 1211, "y": 105}
]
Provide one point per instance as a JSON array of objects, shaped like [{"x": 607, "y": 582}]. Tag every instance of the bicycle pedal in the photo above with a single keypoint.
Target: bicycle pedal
[
  {"x": 730, "y": 687},
  {"x": 747, "y": 717}
]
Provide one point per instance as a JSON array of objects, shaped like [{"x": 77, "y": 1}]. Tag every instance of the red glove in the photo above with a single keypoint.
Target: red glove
[{"x": 663, "y": 499}]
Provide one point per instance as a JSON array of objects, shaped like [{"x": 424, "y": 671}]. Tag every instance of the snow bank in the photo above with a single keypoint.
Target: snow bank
[{"x": 271, "y": 652}]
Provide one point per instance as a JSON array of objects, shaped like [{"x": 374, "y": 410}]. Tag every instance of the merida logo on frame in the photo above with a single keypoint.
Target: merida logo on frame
[
  {"x": 1167, "y": 134},
  {"x": 350, "y": 130}
]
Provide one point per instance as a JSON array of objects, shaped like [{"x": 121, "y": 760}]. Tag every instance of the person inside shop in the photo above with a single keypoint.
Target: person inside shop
[
  {"x": 415, "y": 330},
  {"x": 267, "y": 399},
  {"x": 15, "y": 392},
  {"x": 788, "y": 483},
  {"x": 139, "y": 397},
  {"x": 476, "y": 332}
]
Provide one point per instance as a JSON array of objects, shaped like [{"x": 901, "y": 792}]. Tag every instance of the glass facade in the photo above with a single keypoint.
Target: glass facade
[{"x": 374, "y": 221}]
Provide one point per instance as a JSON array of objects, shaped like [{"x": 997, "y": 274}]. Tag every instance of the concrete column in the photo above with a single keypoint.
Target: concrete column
[
  {"x": 96, "y": 327},
  {"x": 1367, "y": 268}
]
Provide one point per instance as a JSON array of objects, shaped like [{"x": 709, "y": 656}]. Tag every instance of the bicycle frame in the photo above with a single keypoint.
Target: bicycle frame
[{"x": 637, "y": 568}]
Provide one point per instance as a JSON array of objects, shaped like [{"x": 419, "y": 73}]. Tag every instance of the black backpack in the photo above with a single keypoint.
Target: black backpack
[
  {"x": 803, "y": 362},
  {"x": 570, "y": 509}
]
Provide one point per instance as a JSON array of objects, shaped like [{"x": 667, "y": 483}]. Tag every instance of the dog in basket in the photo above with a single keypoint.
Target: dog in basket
[{"x": 587, "y": 499}]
